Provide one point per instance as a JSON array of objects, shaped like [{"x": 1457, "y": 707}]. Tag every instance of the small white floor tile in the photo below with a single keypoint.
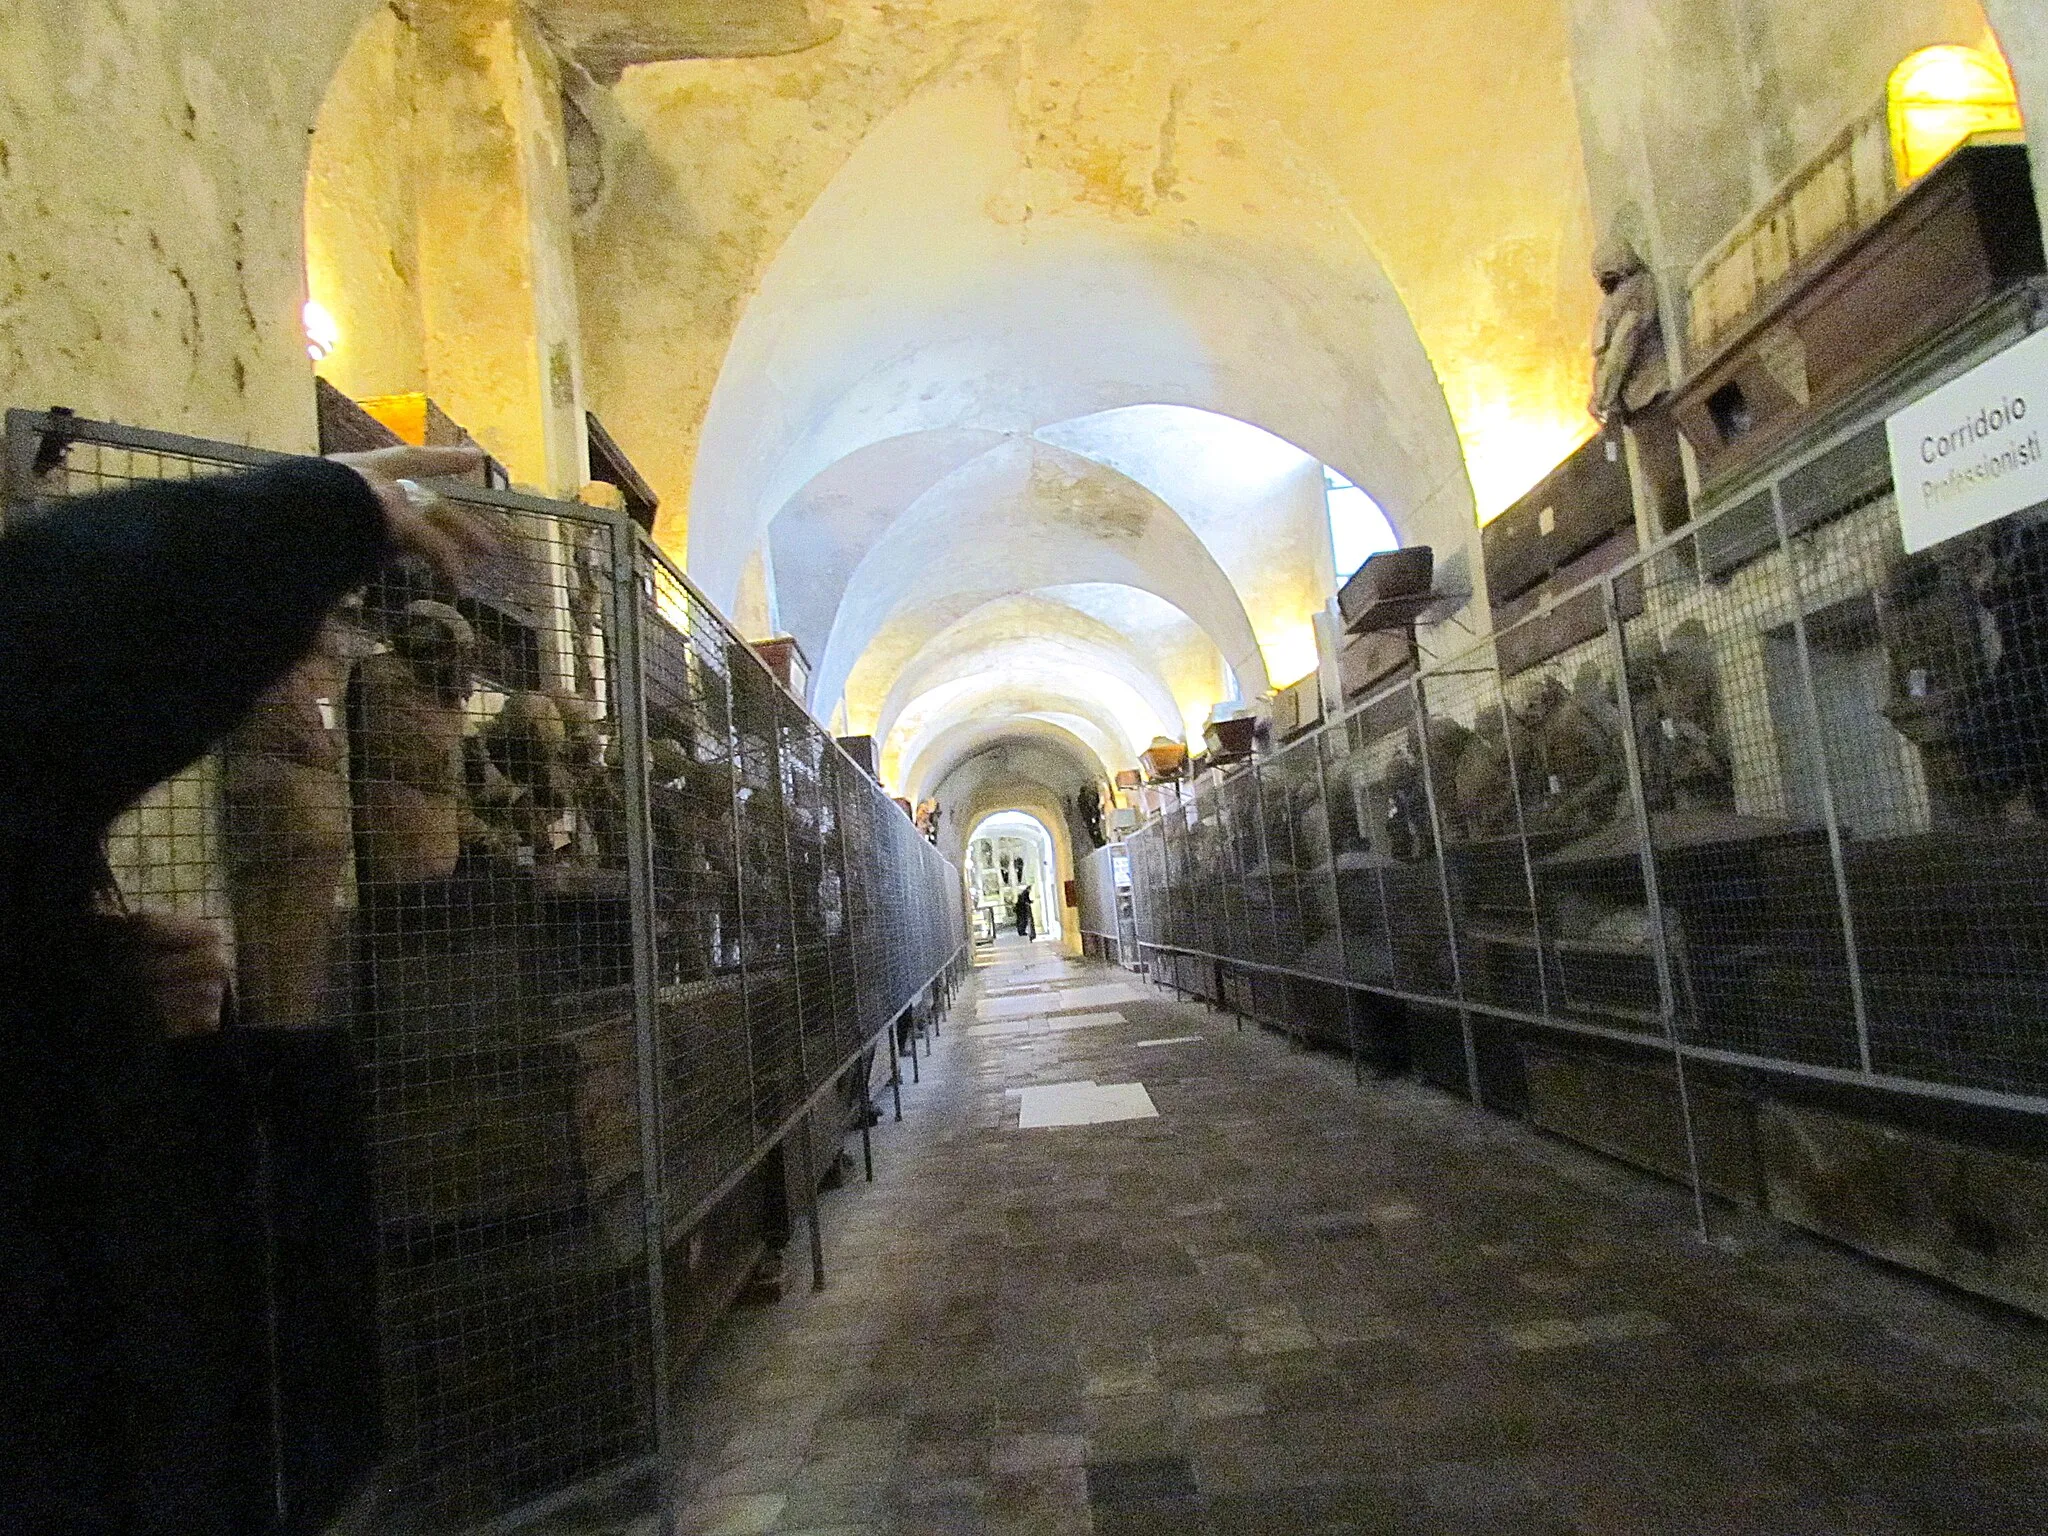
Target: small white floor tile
[{"x": 1085, "y": 1103}]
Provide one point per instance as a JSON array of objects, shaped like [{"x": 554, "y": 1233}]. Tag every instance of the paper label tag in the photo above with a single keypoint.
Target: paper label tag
[{"x": 329, "y": 719}]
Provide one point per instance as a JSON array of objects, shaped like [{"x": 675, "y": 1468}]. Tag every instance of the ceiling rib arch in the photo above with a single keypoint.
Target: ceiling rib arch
[
  {"x": 975, "y": 533},
  {"x": 918, "y": 293}
]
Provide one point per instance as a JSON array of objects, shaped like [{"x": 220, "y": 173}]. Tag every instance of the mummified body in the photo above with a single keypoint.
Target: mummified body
[
  {"x": 286, "y": 797},
  {"x": 409, "y": 798}
]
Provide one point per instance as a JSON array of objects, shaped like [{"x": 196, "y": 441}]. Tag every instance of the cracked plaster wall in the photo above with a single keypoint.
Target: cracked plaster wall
[
  {"x": 152, "y": 165},
  {"x": 362, "y": 217},
  {"x": 438, "y": 222}
]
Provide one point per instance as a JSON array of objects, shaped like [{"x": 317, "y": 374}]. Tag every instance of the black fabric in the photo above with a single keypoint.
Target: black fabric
[
  {"x": 136, "y": 629},
  {"x": 314, "y": 1168}
]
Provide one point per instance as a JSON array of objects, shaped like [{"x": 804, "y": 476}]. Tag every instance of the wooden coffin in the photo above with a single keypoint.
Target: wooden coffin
[
  {"x": 1367, "y": 661},
  {"x": 1965, "y": 233},
  {"x": 1577, "y": 506},
  {"x": 1298, "y": 707},
  {"x": 1546, "y": 622},
  {"x": 1228, "y": 740},
  {"x": 1164, "y": 760},
  {"x": 785, "y": 659},
  {"x": 1390, "y": 589}
]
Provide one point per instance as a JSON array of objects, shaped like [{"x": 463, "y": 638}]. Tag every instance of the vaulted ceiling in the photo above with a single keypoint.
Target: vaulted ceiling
[
  {"x": 1036, "y": 326},
  {"x": 997, "y": 349}
]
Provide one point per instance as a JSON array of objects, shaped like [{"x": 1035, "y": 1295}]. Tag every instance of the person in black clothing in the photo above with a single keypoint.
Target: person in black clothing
[
  {"x": 137, "y": 628},
  {"x": 1027, "y": 923}
]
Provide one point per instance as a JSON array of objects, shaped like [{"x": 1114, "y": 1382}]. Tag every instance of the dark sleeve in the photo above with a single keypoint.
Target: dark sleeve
[{"x": 139, "y": 626}]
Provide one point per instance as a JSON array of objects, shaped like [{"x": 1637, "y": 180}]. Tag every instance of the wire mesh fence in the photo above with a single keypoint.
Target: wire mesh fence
[
  {"x": 1772, "y": 800},
  {"x": 552, "y": 914}
]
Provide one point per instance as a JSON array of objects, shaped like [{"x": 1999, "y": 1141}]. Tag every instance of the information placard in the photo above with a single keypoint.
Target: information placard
[{"x": 1972, "y": 451}]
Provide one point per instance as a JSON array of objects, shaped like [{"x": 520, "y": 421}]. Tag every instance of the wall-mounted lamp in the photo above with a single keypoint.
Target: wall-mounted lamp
[{"x": 323, "y": 335}]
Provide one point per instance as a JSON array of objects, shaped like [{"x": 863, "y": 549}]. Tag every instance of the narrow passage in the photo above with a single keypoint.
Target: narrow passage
[{"x": 1287, "y": 1304}]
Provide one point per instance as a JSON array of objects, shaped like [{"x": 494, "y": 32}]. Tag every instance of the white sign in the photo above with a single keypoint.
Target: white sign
[{"x": 1973, "y": 451}]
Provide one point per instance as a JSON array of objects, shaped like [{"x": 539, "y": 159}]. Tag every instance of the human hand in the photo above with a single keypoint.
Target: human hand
[
  {"x": 180, "y": 966},
  {"x": 445, "y": 535}
]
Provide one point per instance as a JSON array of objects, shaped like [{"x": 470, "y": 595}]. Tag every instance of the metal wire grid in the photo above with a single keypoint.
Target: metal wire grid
[
  {"x": 1096, "y": 877},
  {"x": 1781, "y": 813},
  {"x": 167, "y": 850},
  {"x": 1926, "y": 674},
  {"x": 427, "y": 841},
  {"x": 1733, "y": 788},
  {"x": 708, "y": 1125}
]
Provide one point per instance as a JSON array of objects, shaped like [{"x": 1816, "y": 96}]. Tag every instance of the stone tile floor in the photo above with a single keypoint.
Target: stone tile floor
[{"x": 1293, "y": 1305}]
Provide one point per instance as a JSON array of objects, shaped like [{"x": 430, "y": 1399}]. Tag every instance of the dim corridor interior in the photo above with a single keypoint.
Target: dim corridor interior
[{"x": 1289, "y": 1303}]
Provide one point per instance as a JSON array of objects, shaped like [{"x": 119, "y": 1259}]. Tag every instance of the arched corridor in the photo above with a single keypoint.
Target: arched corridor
[{"x": 1496, "y": 550}]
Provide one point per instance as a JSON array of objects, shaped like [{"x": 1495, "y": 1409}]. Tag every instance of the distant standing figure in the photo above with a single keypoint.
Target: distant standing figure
[{"x": 1027, "y": 926}]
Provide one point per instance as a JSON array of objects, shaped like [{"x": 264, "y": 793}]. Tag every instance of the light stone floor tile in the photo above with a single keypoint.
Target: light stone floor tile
[{"x": 1057, "y": 1105}]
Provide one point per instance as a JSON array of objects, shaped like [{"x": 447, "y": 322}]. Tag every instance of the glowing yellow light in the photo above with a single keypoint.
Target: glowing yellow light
[
  {"x": 1291, "y": 658},
  {"x": 1940, "y": 97},
  {"x": 1509, "y": 449},
  {"x": 323, "y": 335}
]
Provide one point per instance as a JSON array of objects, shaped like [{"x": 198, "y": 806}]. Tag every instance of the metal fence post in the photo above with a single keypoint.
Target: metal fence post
[
  {"x": 1824, "y": 777},
  {"x": 630, "y": 722},
  {"x": 1337, "y": 909},
  {"x": 1443, "y": 880},
  {"x": 810, "y": 1162},
  {"x": 1507, "y": 727},
  {"x": 1653, "y": 899}
]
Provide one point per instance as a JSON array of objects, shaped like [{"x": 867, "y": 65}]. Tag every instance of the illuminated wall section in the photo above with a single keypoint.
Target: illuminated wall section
[{"x": 1942, "y": 96}]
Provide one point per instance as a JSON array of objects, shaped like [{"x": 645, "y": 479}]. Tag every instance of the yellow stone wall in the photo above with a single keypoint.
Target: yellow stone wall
[
  {"x": 152, "y": 171},
  {"x": 1695, "y": 110},
  {"x": 437, "y": 230},
  {"x": 2022, "y": 28},
  {"x": 362, "y": 224}
]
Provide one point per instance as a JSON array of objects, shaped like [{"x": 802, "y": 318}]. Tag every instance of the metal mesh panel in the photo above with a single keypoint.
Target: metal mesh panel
[
  {"x": 1219, "y": 899},
  {"x": 1510, "y": 789},
  {"x": 1367, "y": 835},
  {"x": 1770, "y": 793},
  {"x": 1293, "y": 783},
  {"x": 495, "y": 995},
  {"x": 1414, "y": 882},
  {"x": 1244, "y": 859},
  {"x": 707, "y": 1111},
  {"x": 767, "y": 938},
  {"x": 1728, "y": 755},
  {"x": 815, "y": 918},
  {"x": 1148, "y": 880},
  {"x": 535, "y": 856},
  {"x": 1927, "y": 674}
]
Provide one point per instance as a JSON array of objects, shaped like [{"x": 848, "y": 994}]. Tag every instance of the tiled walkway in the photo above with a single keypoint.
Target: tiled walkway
[{"x": 1287, "y": 1304}]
